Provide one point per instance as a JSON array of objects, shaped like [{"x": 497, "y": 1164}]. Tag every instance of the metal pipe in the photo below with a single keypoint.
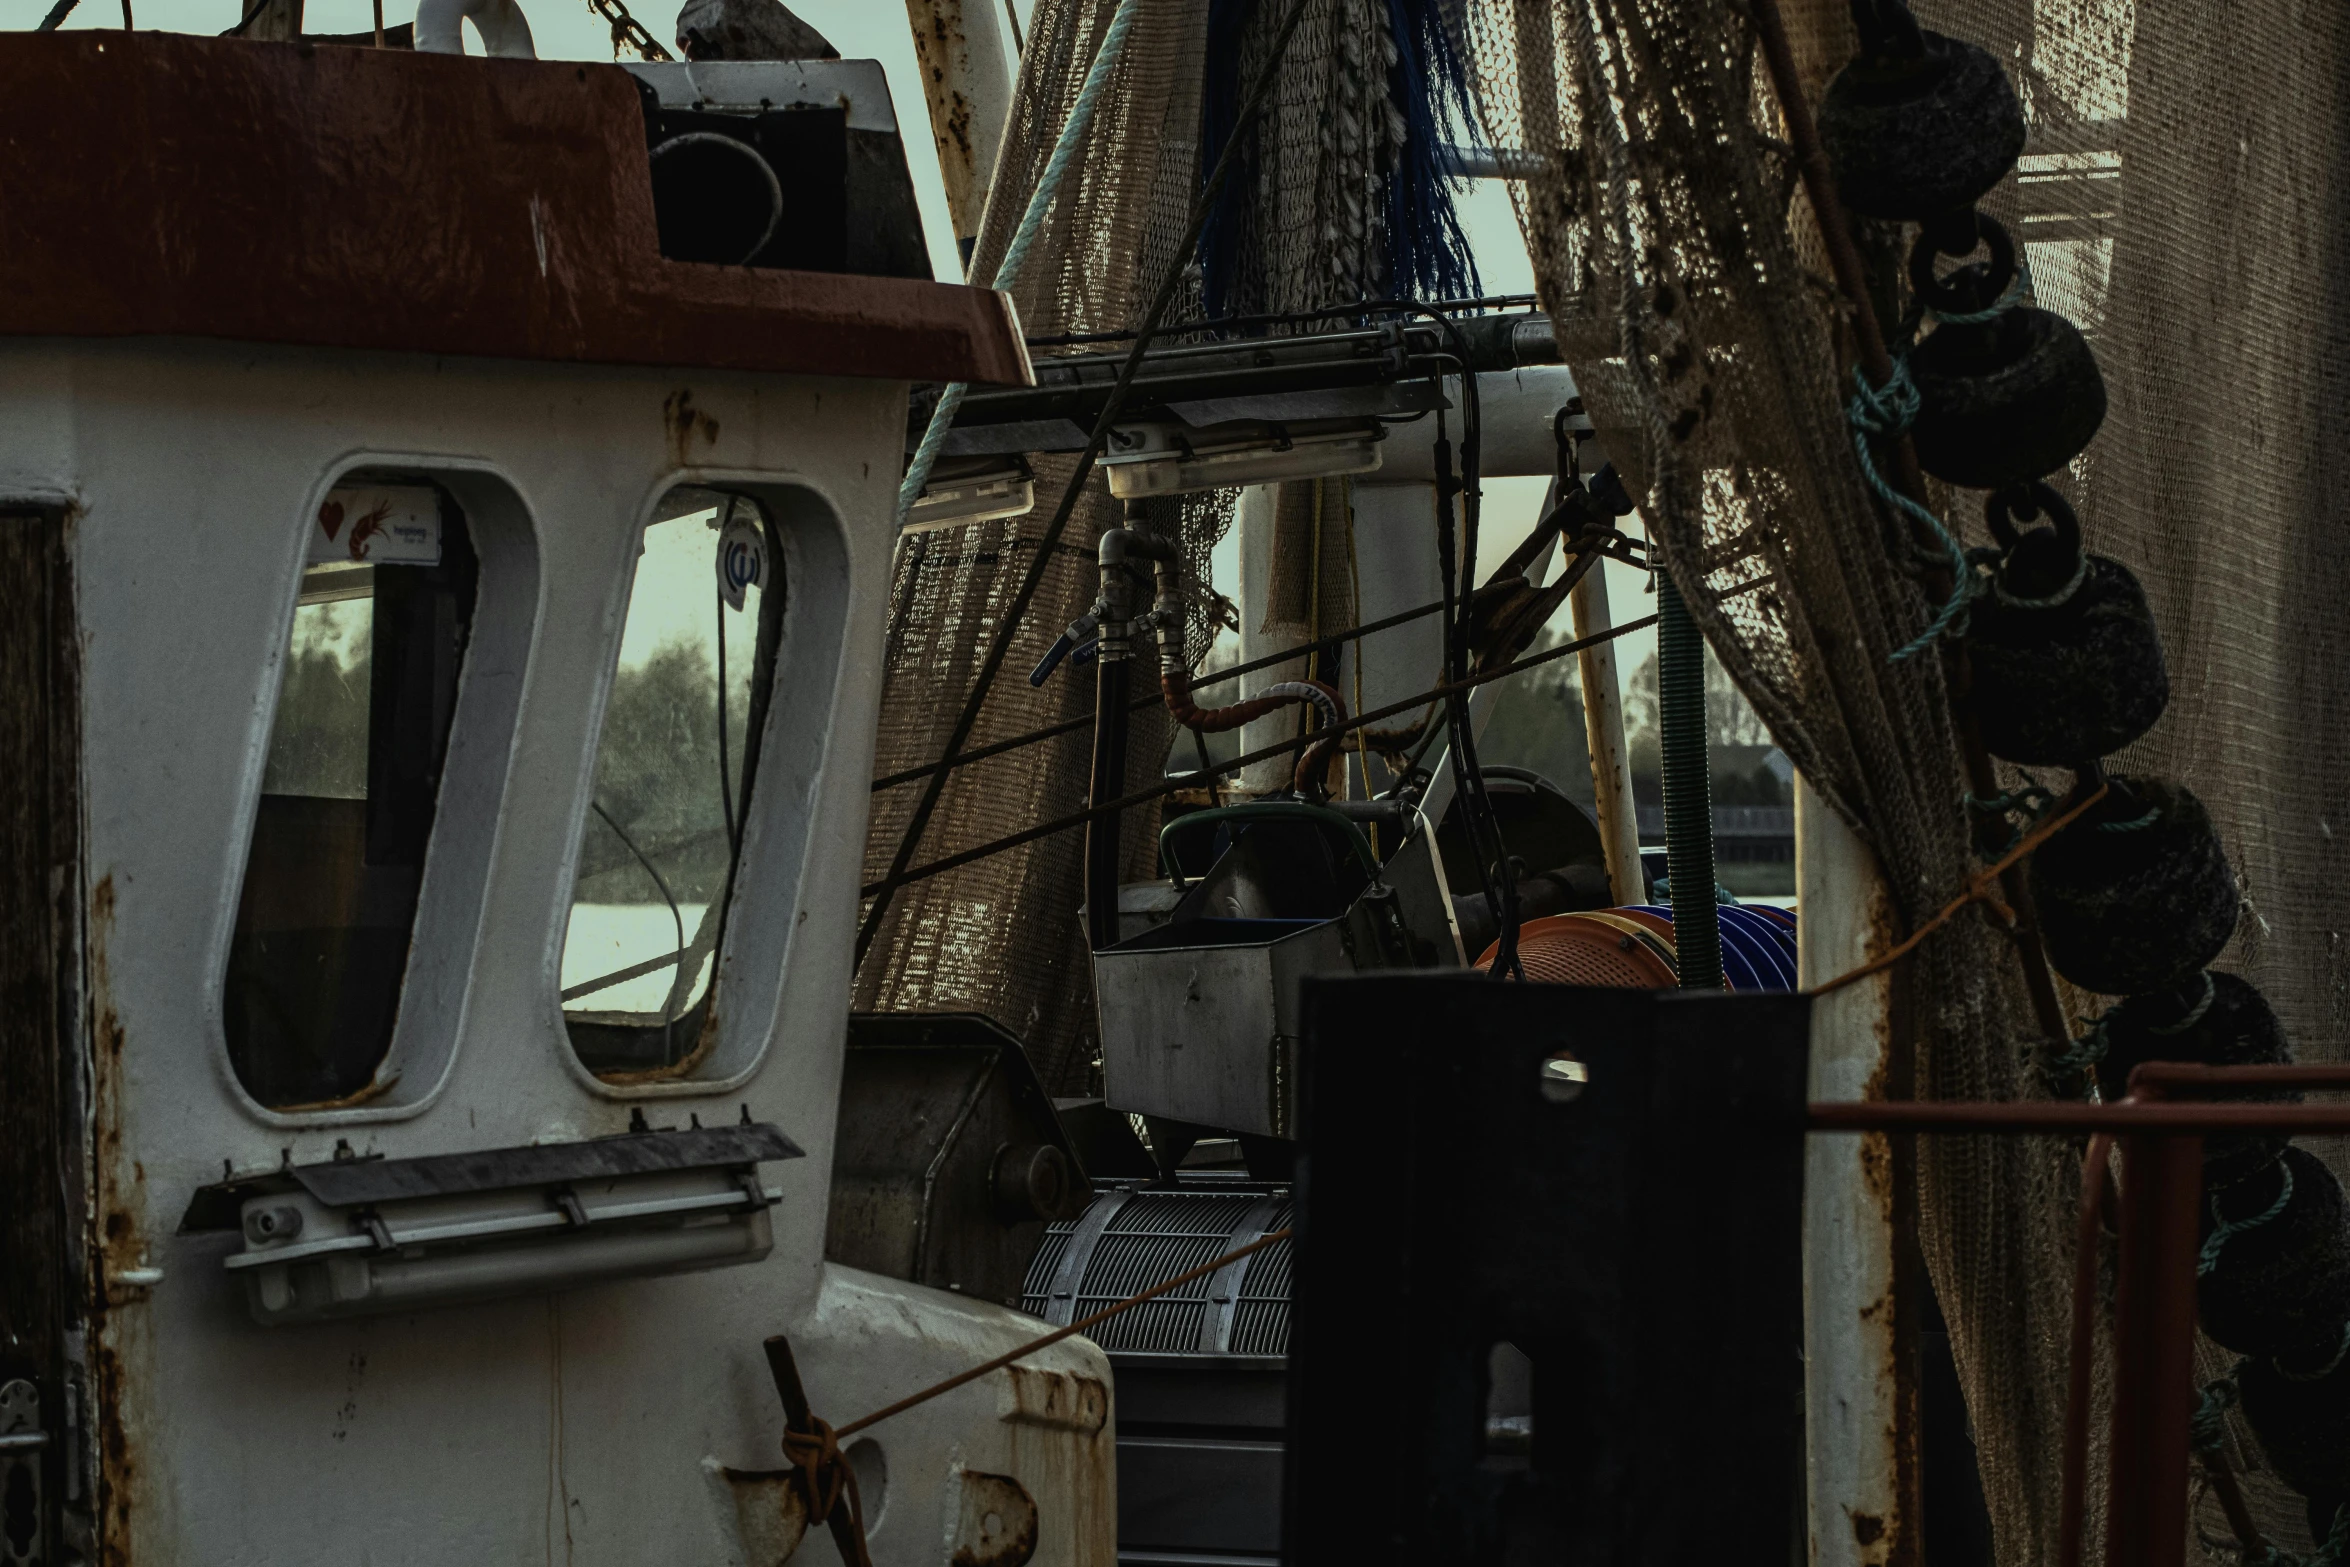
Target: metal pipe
[
  {"x": 1114, "y": 610},
  {"x": 1516, "y": 438},
  {"x": 1858, "y": 1401},
  {"x": 967, "y": 83},
  {"x": 1254, "y": 517},
  {"x": 2073, "y": 1483},
  {"x": 2154, "y": 1351},
  {"x": 2044, "y": 1116}
]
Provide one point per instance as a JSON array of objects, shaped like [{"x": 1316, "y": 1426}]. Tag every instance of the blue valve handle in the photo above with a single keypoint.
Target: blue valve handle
[{"x": 1064, "y": 647}]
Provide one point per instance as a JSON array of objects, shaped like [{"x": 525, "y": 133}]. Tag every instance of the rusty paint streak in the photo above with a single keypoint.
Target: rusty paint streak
[
  {"x": 355, "y": 139},
  {"x": 684, "y": 421},
  {"x": 1060, "y": 1400},
  {"x": 998, "y": 1524},
  {"x": 115, "y": 1245},
  {"x": 685, "y": 1066}
]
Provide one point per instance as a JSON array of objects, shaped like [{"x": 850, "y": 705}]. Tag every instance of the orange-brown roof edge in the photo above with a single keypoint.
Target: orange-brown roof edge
[{"x": 167, "y": 185}]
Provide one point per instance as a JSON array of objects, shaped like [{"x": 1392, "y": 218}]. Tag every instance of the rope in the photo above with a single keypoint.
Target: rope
[
  {"x": 2208, "y": 1259},
  {"x": 1981, "y": 887},
  {"x": 1007, "y": 273},
  {"x": 2087, "y": 1053},
  {"x": 2051, "y": 601},
  {"x": 2207, "y": 1428},
  {"x": 825, "y": 1476},
  {"x": 2194, "y": 1013},
  {"x": 2031, "y": 799},
  {"x": 1046, "y": 1340},
  {"x": 826, "y": 1479},
  {"x": 2137, "y": 824},
  {"x": 1883, "y": 412},
  {"x": 2017, "y": 287}
]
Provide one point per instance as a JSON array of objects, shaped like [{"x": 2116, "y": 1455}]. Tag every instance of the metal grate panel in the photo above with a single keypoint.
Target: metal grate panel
[
  {"x": 1156, "y": 1235},
  {"x": 1260, "y": 1317}
]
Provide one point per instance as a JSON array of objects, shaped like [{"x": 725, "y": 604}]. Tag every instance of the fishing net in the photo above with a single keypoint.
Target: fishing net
[
  {"x": 2182, "y": 200},
  {"x": 1001, "y": 936},
  {"x": 1338, "y": 196}
]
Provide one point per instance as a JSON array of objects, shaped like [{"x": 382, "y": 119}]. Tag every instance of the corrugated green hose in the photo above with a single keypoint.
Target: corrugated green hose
[{"x": 1689, "y": 813}]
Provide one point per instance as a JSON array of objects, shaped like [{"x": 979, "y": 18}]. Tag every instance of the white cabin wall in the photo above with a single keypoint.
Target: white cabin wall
[{"x": 573, "y": 1427}]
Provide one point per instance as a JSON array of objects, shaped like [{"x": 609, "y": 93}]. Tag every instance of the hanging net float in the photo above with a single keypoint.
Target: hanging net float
[
  {"x": 2274, "y": 1274},
  {"x": 2137, "y": 894},
  {"x": 2067, "y": 663}
]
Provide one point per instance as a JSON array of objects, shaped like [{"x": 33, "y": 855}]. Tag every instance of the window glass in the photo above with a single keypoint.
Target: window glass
[
  {"x": 675, "y": 767},
  {"x": 328, "y": 903}
]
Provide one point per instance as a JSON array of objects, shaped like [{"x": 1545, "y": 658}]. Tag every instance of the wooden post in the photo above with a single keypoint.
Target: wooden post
[{"x": 1611, "y": 759}]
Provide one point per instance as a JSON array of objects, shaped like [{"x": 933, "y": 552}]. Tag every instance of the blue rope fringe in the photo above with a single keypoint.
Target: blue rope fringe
[{"x": 1427, "y": 252}]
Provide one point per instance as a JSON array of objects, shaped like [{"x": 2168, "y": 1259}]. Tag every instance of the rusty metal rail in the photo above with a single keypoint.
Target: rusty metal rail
[{"x": 2159, "y": 1129}]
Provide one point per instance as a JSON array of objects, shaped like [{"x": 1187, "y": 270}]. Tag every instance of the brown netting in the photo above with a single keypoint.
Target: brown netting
[
  {"x": 2182, "y": 199},
  {"x": 1001, "y": 936}
]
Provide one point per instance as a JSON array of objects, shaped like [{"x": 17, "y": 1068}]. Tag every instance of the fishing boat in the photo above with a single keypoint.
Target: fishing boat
[{"x": 678, "y": 893}]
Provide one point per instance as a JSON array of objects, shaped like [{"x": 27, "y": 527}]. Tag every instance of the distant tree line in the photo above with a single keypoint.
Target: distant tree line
[{"x": 656, "y": 766}]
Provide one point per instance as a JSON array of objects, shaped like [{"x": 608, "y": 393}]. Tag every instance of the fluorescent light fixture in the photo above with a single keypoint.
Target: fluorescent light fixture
[
  {"x": 972, "y": 490},
  {"x": 1169, "y": 458}
]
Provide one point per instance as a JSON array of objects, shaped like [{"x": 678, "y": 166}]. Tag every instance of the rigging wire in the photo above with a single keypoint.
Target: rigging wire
[
  {"x": 899, "y": 877},
  {"x": 1016, "y": 612}
]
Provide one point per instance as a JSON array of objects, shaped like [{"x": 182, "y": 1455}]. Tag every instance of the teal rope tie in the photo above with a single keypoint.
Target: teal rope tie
[
  {"x": 1882, "y": 412},
  {"x": 2207, "y": 1428},
  {"x": 2194, "y": 1014},
  {"x": 2138, "y": 824},
  {"x": 2031, "y": 799},
  {"x": 2018, "y": 287},
  {"x": 2208, "y": 1258},
  {"x": 2087, "y": 1053}
]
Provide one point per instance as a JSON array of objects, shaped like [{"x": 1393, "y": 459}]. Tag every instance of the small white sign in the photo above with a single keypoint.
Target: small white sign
[
  {"x": 742, "y": 560},
  {"x": 380, "y": 525}
]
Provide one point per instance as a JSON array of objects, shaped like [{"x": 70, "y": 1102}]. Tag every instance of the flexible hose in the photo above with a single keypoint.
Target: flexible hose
[
  {"x": 1175, "y": 688},
  {"x": 1689, "y": 815}
]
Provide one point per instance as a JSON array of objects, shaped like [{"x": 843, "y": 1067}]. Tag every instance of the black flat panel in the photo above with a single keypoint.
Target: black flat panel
[
  {"x": 1641, "y": 1243},
  {"x": 1190, "y": 1494}
]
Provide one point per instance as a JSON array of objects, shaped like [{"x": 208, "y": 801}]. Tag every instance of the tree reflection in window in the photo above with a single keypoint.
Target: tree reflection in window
[
  {"x": 675, "y": 767},
  {"x": 327, "y": 910}
]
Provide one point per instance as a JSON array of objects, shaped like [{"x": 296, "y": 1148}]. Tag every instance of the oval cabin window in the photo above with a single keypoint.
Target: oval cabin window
[
  {"x": 676, "y": 766},
  {"x": 328, "y": 904}
]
